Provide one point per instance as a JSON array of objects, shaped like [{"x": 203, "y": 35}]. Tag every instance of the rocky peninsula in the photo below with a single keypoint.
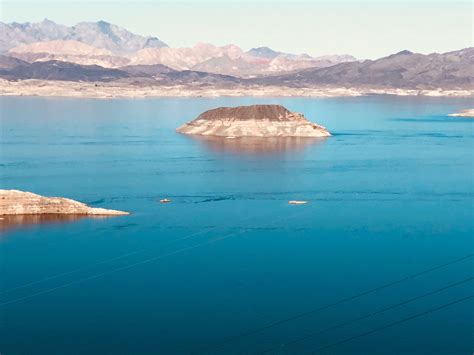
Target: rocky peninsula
[
  {"x": 14, "y": 202},
  {"x": 253, "y": 121}
]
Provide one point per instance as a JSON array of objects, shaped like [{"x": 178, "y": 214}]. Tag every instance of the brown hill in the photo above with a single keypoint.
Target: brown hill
[
  {"x": 253, "y": 121},
  {"x": 243, "y": 113},
  {"x": 452, "y": 70}
]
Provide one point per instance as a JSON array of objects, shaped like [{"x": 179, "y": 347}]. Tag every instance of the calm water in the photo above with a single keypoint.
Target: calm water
[{"x": 229, "y": 267}]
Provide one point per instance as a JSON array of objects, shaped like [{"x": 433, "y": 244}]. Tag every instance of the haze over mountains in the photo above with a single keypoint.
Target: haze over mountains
[{"x": 99, "y": 51}]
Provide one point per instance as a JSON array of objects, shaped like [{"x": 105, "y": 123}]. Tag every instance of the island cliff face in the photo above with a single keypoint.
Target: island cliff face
[
  {"x": 253, "y": 121},
  {"x": 14, "y": 202}
]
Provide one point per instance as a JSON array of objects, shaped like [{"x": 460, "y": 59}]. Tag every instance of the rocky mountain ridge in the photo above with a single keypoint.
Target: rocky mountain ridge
[
  {"x": 102, "y": 52},
  {"x": 110, "y": 46},
  {"x": 451, "y": 70},
  {"x": 404, "y": 70},
  {"x": 100, "y": 34}
]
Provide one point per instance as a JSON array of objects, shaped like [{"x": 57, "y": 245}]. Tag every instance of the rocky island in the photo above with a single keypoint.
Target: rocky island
[
  {"x": 14, "y": 202},
  {"x": 253, "y": 121}
]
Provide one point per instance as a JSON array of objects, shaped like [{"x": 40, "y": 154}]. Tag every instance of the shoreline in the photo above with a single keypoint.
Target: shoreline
[{"x": 114, "y": 90}]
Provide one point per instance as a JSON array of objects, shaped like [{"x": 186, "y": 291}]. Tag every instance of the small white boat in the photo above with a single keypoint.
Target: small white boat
[
  {"x": 297, "y": 202},
  {"x": 165, "y": 200}
]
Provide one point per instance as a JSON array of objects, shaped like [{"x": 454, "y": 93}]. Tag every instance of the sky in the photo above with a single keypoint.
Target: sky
[{"x": 365, "y": 29}]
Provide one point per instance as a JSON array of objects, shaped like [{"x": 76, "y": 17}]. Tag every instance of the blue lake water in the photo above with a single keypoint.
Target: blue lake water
[{"x": 380, "y": 257}]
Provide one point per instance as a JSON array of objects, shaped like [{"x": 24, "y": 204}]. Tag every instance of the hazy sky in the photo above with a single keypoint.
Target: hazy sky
[{"x": 366, "y": 29}]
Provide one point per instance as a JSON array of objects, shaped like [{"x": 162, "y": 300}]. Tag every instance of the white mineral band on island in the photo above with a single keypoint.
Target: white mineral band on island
[
  {"x": 14, "y": 202},
  {"x": 253, "y": 121}
]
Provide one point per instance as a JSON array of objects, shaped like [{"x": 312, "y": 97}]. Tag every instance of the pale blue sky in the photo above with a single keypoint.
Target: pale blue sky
[{"x": 366, "y": 29}]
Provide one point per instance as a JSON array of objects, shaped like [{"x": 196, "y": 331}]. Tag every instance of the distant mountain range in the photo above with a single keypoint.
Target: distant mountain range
[
  {"x": 99, "y": 51},
  {"x": 56, "y": 70},
  {"x": 401, "y": 70},
  {"x": 107, "y": 45},
  {"x": 99, "y": 34},
  {"x": 157, "y": 74}
]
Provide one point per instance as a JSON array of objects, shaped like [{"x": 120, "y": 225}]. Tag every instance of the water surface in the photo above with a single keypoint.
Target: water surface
[{"x": 390, "y": 195}]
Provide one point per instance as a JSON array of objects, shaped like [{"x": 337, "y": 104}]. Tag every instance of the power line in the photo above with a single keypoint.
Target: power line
[
  {"x": 344, "y": 300},
  {"x": 48, "y": 278},
  {"x": 116, "y": 270},
  {"x": 125, "y": 267},
  {"x": 118, "y": 257},
  {"x": 393, "y": 324},
  {"x": 371, "y": 314}
]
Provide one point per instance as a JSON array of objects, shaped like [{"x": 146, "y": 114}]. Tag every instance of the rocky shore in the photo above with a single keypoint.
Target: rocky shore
[
  {"x": 101, "y": 90},
  {"x": 253, "y": 121},
  {"x": 14, "y": 202}
]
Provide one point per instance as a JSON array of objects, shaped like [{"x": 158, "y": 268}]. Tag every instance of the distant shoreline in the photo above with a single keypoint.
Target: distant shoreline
[
  {"x": 113, "y": 90},
  {"x": 469, "y": 113}
]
